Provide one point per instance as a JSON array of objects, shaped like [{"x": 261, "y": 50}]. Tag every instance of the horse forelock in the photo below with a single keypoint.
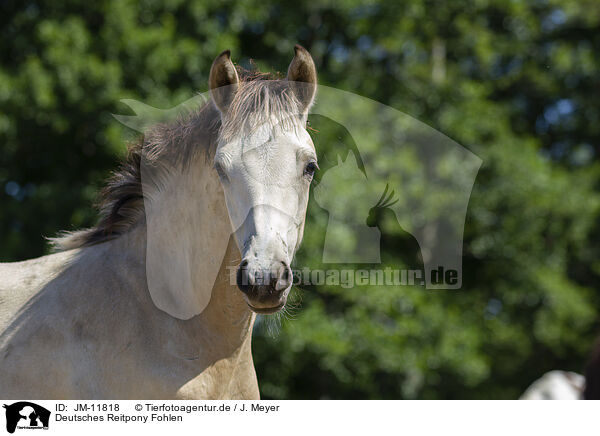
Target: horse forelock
[
  {"x": 261, "y": 98},
  {"x": 260, "y": 102}
]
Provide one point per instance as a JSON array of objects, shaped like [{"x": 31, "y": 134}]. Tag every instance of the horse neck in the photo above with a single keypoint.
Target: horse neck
[{"x": 188, "y": 250}]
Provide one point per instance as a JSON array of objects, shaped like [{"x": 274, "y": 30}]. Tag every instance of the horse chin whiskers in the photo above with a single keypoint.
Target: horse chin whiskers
[{"x": 273, "y": 324}]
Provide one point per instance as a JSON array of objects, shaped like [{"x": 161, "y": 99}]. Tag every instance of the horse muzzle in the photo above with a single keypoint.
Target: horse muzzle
[{"x": 265, "y": 289}]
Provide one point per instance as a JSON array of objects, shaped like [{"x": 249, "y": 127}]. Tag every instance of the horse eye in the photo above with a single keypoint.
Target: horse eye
[
  {"x": 220, "y": 172},
  {"x": 310, "y": 169}
]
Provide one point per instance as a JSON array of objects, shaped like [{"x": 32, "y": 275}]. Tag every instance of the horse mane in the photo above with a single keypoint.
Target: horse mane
[{"x": 121, "y": 201}]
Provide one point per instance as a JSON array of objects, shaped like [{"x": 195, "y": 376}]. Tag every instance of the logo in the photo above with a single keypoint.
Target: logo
[
  {"x": 392, "y": 191},
  {"x": 26, "y": 415}
]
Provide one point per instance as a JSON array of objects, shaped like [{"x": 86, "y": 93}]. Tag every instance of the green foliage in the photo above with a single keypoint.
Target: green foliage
[{"x": 514, "y": 82}]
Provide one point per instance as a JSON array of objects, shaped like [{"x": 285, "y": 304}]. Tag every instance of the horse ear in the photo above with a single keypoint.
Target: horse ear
[
  {"x": 303, "y": 75},
  {"x": 223, "y": 81}
]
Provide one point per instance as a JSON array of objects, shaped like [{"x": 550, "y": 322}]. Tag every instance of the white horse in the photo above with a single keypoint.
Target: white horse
[
  {"x": 141, "y": 306},
  {"x": 556, "y": 385}
]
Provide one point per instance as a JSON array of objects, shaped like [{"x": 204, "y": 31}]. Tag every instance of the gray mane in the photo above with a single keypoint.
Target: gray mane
[{"x": 121, "y": 202}]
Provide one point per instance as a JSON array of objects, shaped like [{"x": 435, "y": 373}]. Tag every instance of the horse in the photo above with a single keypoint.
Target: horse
[
  {"x": 556, "y": 385},
  {"x": 142, "y": 305}
]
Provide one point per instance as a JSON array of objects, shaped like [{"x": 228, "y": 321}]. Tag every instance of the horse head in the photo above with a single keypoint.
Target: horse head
[{"x": 265, "y": 160}]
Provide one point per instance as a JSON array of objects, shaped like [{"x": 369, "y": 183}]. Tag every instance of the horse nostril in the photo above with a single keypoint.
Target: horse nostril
[
  {"x": 284, "y": 279},
  {"x": 243, "y": 279}
]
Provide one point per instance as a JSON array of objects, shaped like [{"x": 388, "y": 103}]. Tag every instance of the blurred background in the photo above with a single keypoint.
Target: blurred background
[{"x": 515, "y": 82}]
